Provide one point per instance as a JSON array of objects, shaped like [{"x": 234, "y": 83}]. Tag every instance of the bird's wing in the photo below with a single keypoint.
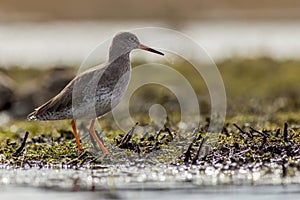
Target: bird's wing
[
  {"x": 64, "y": 99},
  {"x": 56, "y": 104}
]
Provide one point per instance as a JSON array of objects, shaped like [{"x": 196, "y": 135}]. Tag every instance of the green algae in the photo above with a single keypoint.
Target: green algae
[{"x": 257, "y": 105}]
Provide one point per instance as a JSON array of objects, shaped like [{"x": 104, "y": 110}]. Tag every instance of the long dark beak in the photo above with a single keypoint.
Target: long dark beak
[{"x": 144, "y": 47}]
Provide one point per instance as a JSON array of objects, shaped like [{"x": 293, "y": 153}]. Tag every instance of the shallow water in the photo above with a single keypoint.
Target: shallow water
[
  {"x": 224, "y": 192},
  {"x": 145, "y": 182},
  {"x": 45, "y": 44}
]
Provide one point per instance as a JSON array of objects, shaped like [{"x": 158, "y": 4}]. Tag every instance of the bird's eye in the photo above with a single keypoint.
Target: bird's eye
[{"x": 132, "y": 39}]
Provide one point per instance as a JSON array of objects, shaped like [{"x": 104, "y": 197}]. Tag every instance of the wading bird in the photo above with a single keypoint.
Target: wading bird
[{"x": 96, "y": 91}]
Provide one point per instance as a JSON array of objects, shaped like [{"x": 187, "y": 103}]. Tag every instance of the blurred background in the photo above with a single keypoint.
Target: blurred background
[
  {"x": 39, "y": 33},
  {"x": 255, "y": 44}
]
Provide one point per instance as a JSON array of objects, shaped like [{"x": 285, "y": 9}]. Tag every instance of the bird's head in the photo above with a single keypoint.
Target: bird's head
[{"x": 125, "y": 42}]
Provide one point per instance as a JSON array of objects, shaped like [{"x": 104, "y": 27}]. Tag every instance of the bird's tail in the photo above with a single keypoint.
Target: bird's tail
[
  {"x": 40, "y": 113},
  {"x": 32, "y": 116}
]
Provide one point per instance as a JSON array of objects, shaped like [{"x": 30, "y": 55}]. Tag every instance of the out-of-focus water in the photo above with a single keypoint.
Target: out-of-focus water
[
  {"x": 145, "y": 182},
  {"x": 44, "y": 44},
  {"x": 212, "y": 193}
]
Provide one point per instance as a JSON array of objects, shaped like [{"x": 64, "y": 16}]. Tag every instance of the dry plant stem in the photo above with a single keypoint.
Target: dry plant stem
[{"x": 20, "y": 149}]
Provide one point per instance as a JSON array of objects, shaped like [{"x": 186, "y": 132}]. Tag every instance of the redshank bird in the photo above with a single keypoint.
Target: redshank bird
[{"x": 96, "y": 91}]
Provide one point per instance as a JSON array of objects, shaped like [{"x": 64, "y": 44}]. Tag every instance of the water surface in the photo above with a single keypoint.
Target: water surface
[{"x": 44, "y": 44}]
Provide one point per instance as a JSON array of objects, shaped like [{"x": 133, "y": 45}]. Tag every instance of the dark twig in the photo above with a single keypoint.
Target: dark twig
[
  {"x": 284, "y": 168},
  {"x": 20, "y": 149},
  {"x": 146, "y": 135},
  {"x": 199, "y": 149},
  {"x": 169, "y": 132},
  {"x": 277, "y": 132},
  {"x": 242, "y": 131},
  {"x": 264, "y": 141},
  {"x": 83, "y": 158},
  {"x": 127, "y": 137},
  {"x": 95, "y": 159},
  {"x": 76, "y": 160},
  {"x": 82, "y": 155},
  {"x": 164, "y": 129},
  {"x": 187, "y": 154},
  {"x": 285, "y": 132},
  {"x": 198, "y": 138},
  {"x": 195, "y": 131},
  {"x": 256, "y": 131}
]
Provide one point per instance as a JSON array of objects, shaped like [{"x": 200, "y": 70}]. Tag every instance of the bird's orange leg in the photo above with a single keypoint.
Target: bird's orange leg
[
  {"x": 93, "y": 134},
  {"x": 76, "y": 134}
]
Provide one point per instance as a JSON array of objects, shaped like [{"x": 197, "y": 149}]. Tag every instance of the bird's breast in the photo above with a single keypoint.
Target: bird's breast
[
  {"x": 119, "y": 88},
  {"x": 99, "y": 93}
]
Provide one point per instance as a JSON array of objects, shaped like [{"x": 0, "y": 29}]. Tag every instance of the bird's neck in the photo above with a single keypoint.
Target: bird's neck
[
  {"x": 119, "y": 64},
  {"x": 118, "y": 54}
]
